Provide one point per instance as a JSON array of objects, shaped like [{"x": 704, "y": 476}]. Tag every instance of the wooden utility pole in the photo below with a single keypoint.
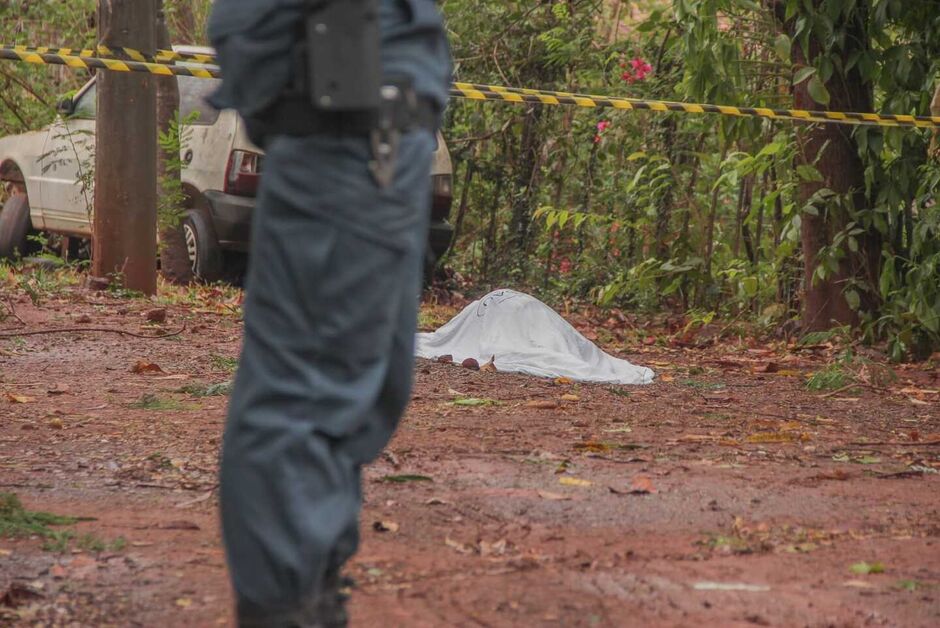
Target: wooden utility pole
[{"x": 125, "y": 222}]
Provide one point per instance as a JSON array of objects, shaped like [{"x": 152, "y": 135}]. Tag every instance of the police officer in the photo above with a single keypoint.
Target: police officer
[{"x": 338, "y": 239}]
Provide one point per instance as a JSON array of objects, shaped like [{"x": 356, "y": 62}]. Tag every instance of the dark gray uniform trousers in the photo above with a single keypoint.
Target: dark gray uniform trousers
[
  {"x": 326, "y": 368},
  {"x": 330, "y": 310}
]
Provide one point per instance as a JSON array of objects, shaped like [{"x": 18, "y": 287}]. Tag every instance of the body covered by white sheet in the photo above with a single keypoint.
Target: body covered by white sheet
[{"x": 526, "y": 336}]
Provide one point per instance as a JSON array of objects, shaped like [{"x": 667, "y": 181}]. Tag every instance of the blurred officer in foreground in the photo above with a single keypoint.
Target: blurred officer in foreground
[{"x": 345, "y": 97}]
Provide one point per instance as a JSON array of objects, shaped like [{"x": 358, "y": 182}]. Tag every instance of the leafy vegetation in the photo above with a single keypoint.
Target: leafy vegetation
[{"x": 665, "y": 211}]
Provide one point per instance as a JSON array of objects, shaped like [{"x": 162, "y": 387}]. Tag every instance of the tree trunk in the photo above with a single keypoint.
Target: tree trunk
[
  {"x": 174, "y": 261},
  {"x": 526, "y": 173},
  {"x": 125, "y": 220},
  {"x": 835, "y": 154}
]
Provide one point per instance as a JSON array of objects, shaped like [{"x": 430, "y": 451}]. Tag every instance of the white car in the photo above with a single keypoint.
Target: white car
[{"x": 48, "y": 175}]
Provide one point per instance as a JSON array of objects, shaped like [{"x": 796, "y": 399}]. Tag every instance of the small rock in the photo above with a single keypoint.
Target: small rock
[
  {"x": 471, "y": 364},
  {"x": 157, "y": 316},
  {"x": 445, "y": 359},
  {"x": 84, "y": 319},
  {"x": 97, "y": 283}
]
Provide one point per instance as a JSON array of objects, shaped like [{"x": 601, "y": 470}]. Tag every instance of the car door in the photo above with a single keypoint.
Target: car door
[{"x": 67, "y": 167}]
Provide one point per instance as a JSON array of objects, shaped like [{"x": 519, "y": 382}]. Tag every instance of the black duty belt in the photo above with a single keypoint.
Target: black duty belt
[{"x": 294, "y": 115}]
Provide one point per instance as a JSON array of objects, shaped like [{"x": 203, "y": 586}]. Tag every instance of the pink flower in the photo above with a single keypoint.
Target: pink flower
[
  {"x": 564, "y": 267},
  {"x": 602, "y": 125},
  {"x": 640, "y": 69}
]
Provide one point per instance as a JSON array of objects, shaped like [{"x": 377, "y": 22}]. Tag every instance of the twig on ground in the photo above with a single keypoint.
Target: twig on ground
[
  {"x": 12, "y": 311},
  {"x": 74, "y": 330}
]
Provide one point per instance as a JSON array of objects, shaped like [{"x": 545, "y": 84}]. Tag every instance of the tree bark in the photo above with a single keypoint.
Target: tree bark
[
  {"x": 835, "y": 153},
  {"x": 174, "y": 261},
  {"x": 125, "y": 220},
  {"x": 526, "y": 173}
]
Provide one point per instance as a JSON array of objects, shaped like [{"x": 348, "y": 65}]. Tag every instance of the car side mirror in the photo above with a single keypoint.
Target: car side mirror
[{"x": 65, "y": 107}]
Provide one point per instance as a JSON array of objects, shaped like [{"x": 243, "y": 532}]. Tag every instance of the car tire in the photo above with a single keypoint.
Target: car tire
[
  {"x": 202, "y": 246},
  {"x": 15, "y": 227}
]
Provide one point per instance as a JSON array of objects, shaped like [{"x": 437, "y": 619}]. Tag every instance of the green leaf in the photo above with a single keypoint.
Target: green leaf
[
  {"x": 473, "y": 402},
  {"x": 750, "y": 286},
  {"x": 817, "y": 91},
  {"x": 783, "y": 46},
  {"x": 852, "y": 298},
  {"x": 403, "y": 479},
  {"x": 637, "y": 155},
  {"x": 864, "y": 568},
  {"x": 809, "y": 173},
  {"x": 802, "y": 74}
]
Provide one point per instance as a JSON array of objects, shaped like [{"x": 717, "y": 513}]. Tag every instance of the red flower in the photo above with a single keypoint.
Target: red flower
[
  {"x": 640, "y": 69},
  {"x": 564, "y": 267}
]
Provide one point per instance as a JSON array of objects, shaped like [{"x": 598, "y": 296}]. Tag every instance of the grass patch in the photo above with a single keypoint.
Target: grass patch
[
  {"x": 153, "y": 402},
  {"x": 832, "y": 377},
  {"x": 691, "y": 383},
  {"x": 17, "y": 522},
  {"x": 223, "y": 363},
  {"x": 212, "y": 390}
]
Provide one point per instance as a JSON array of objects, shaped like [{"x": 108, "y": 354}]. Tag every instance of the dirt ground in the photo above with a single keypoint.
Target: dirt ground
[{"x": 725, "y": 494}]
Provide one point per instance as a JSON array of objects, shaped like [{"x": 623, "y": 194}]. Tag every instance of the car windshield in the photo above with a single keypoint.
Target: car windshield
[{"x": 194, "y": 93}]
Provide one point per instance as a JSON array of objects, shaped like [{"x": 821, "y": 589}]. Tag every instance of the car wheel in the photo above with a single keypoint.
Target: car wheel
[
  {"x": 15, "y": 227},
  {"x": 202, "y": 247}
]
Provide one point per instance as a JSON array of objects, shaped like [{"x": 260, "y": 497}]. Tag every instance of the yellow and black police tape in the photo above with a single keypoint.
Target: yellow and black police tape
[
  {"x": 130, "y": 54},
  {"x": 106, "y": 59},
  {"x": 89, "y": 62}
]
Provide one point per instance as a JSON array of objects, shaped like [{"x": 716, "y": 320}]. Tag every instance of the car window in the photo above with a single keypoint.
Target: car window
[
  {"x": 87, "y": 104},
  {"x": 193, "y": 94}
]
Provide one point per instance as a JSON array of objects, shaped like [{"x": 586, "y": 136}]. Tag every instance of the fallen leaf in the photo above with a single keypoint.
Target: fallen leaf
[
  {"x": 730, "y": 586},
  {"x": 554, "y": 497},
  {"x": 570, "y": 397},
  {"x": 5, "y": 552},
  {"x": 445, "y": 359},
  {"x": 385, "y": 526},
  {"x": 864, "y": 568},
  {"x": 858, "y": 584},
  {"x": 178, "y": 525},
  {"x": 619, "y": 430},
  {"x": 496, "y": 548},
  {"x": 592, "y": 446},
  {"x": 766, "y": 367},
  {"x": 542, "y": 404},
  {"x": 56, "y": 424},
  {"x": 184, "y": 602},
  {"x": 14, "y": 398},
  {"x": 770, "y": 437},
  {"x": 58, "y": 572},
  {"x": 58, "y": 389},
  {"x": 460, "y": 547},
  {"x": 436, "y": 501},
  {"x": 570, "y": 481},
  {"x": 642, "y": 485},
  {"x": 562, "y": 381},
  {"x": 402, "y": 479},
  {"x": 489, "y": 367},
  {"x": 474, "y": 402},
  {"x": 143, "y": 366}
]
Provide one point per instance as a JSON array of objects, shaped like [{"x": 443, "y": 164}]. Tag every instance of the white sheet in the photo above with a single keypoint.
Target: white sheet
[{"x": 526, "y": 336}]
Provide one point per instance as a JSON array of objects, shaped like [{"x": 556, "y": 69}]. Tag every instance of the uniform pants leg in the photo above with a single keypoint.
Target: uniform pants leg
[{"x": 326, "y": 366}]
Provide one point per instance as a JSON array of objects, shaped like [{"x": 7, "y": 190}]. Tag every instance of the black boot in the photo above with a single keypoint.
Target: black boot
[{"x": 326, "y": 610}]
